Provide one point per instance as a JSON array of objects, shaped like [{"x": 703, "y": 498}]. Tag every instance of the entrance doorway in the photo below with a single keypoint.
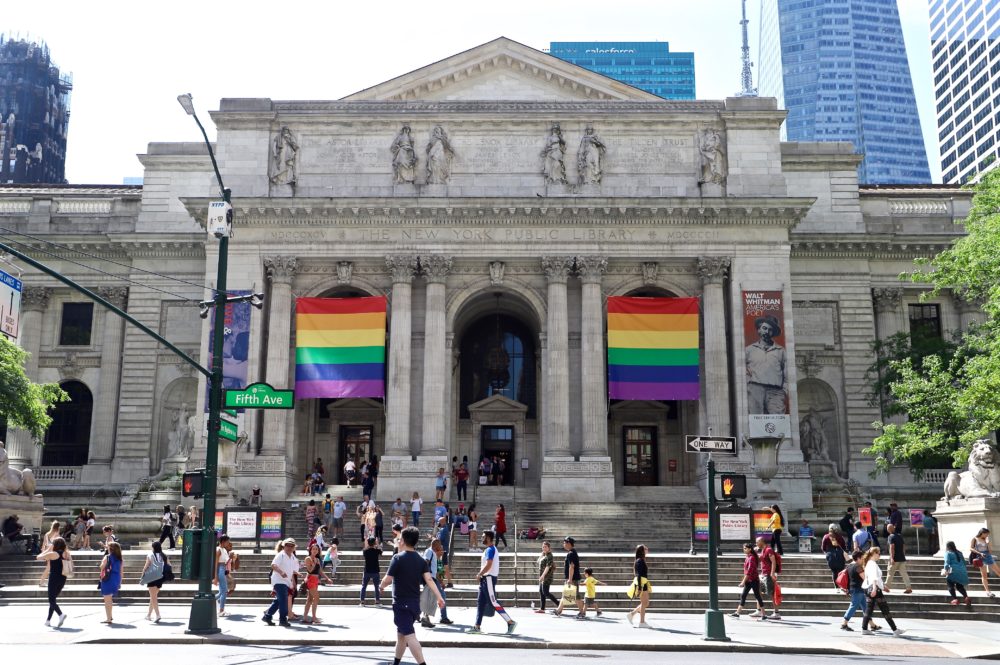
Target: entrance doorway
[
  {"x": 498, "y": 443},
  {"x": 355, "y": 444},
  {"x": 640, "y": 455}
]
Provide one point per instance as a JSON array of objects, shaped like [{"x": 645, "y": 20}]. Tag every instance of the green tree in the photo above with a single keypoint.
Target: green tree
[
  {"x": 24, "y": 404},
  {"x": 950, "y": 399}
]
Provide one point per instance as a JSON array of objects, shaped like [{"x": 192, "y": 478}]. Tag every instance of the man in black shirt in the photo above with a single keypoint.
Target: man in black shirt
[
  {"x": 371, "y": 554},
  {"x": 571, "y": 572},
  {"x": 897, "y": 559},
  {"x": 847, "y": 524},
  {"x": 406, "y": 571}
]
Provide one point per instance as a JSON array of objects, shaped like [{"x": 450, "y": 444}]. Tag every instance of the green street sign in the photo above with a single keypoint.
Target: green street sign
[
  {"x": 259, "y": 396},
  {"x": 227, "y": 430}
]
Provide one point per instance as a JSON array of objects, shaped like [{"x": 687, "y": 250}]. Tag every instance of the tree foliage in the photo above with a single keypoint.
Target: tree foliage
[
  {"x": 951, "y": 398},
  {"x": 24, "y": 404}
]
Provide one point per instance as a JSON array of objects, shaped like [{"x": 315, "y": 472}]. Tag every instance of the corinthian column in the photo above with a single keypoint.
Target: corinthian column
[
  {"x": 556, "y": 361},
  {"x": 593, "y": 386},
  {"x": 436, "y": 369},
  {"x": 889, "y": 318},
  {"x": 712, "y": 270},
  {"x": 102, "y": 445},
  {"x": 397, "y": 397},
  {"x": 280, "y": 270},
  {"x": 34, "y": 300}
]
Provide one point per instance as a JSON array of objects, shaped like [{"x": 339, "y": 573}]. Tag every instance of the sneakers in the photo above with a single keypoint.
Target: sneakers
[
  {"x": 581, "y": 616},
  {"x": 631, "y": 616},
  {"x": 446, "y": 621},
  {"x": 266, "y": 619},
  {"x": 47, "y": 623},
  {"x": 953, "y": 601},
  {"x": 361, "y": 604},
  {"x": 735, "y": 615},
  {"x": 898, "y": 632},
  {"x": 511, "y": 627},
  {"x": 643, "y": 625},
  {"x": 844, "y": 626},
  {"x": 285, "y": 624},
  {"x": 908, "y": 591},
  {"x": 426, "y": 623},
  {"x": 474, "y": 631},
  {"x": 539, "y": 611},
  {"x": 756, "y": 615},
  {"x": 865, "y": 631},
  {"x": 599, "y": 612},
  {"x": 62, "y": 618},
  {"x": 775, "y": 616}
]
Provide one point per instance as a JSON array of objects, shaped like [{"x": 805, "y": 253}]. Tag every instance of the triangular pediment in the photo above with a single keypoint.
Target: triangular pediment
[
  {"x": 502, "y": 70},
  {"x": 497, "y": 404}
]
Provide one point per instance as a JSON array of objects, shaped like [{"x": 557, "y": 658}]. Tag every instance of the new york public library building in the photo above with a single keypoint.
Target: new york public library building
[{"x": 497, "y": 199}]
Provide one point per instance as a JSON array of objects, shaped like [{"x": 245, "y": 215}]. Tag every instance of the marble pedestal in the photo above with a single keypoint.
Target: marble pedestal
[
  {"x": 401, "y": 476},
  {"x": 269, "y": 472},
  {"x": 29, "y": 511},
  {"x": 961, "y": 519},
  {"x": 589, "y": 479}
]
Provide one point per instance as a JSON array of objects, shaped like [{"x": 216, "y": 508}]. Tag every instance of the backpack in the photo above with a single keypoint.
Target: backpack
[{"x": 843, "y": 580}]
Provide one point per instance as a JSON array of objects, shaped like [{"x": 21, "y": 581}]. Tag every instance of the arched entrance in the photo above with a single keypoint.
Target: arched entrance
[{"x": 67, "y": 443}]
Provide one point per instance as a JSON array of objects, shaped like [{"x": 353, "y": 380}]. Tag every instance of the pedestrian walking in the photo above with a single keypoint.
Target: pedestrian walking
[
  {"x": 930, "y": 526},
  {"x": 546, "y": 572},
  {"x": 473, "y": 529},
  {"x": 440, "y": 484},
  {"x": 855, "y": 573},
  {"x": 350, "y": 473},
  {"x": 571, "y": 573},
  {"x": 500, "y": 525},
  {"x": 462, "y": 483},
  {"x": 590, "y": 584},
  {"x": 111, "y": 577},
  {"x": 371, "y": 554},
  {"x": 444, "y": 535},
  {"x": 415, "y": 506},
  {"x": 221, "y": 568},
  {"x": 339, "y": 508},
  {"x": 873, "y": 586},
  {"x": 750, "y": 582},
  {"x": 167, "y": 526},
  {"x": 58, "y": 565},
  {"x": 863, "y": 538},
  {"x": 489, "y": 572},
  {"x": 835, "y": 549},
  {"x": 895, "y": 519},
  {"x": 152, "y": 577},
  {"x": 284, "y": 568},
  {"x": 872, "y": 529},
  {"x": 312, "y": 518},
  {"x": 435, "y": 566},
  {"x": 641, "y": 586},
  {"x": 314, "y": 569},
  {"x": 769, "y": 566},
  {"x": 776, "y": 524},
  {"x": 398, "y": 512},
  {"x": 379, "y": 522},
  {"x": 958, "y": 574},
  {"x": 407, "y": 570},
  {"x": 983, "y": 552},
  {"x": 47, "y": 540},
  {"x": 897, "y": 560},
  {"x": 847, "y": 524},
  {"x": 332, "y": 558}
]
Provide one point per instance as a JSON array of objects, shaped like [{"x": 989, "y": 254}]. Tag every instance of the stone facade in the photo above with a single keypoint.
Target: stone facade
[{"x": 490, "y": 237}]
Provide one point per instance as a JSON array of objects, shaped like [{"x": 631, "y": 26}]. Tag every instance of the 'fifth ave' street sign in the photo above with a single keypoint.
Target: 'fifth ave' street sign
[{"x": 710, "y": 444}]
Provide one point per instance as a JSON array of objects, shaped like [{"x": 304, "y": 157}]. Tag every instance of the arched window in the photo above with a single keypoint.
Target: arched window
[
  {"x": 498, "y": 358},
  {"x": 67, "y": 443}
]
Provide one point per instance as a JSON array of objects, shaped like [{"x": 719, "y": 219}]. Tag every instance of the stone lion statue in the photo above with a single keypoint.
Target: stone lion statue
[
  {"x": 13, "y": 481},
  {"x": 982, "y": 478}
]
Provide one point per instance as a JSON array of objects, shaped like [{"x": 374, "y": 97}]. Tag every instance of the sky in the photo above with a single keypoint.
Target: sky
[{"x": 130, "y": 60}]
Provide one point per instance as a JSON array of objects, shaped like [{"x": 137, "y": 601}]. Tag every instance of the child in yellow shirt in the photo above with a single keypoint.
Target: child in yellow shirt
[{"x": 591, "y": 582}]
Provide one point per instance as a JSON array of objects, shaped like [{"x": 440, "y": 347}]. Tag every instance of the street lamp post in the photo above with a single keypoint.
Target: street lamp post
[{"x": 203, "y": 613}]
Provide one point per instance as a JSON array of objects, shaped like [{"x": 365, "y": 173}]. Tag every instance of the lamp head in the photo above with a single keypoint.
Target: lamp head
[{"x": 186, "y": 103}]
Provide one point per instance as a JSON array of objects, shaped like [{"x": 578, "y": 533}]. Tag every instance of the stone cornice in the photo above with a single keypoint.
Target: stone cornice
[
  {"x": 868, "y": 246},
  {"x": 786, "y": 212}
]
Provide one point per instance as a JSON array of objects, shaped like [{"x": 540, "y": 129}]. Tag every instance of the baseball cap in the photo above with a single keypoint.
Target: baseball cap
[{"x": 570, "y": 540}]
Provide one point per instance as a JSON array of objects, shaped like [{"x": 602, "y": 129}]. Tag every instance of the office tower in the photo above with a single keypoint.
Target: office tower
[
  {"x": 840, "y": 68},
  {"x": 649, "y": 66},
  {"x": 965, "y": 52},
  {"x": 34, "y": 114}
]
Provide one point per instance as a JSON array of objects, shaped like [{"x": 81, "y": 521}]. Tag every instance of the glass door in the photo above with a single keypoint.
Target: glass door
[
  {"x": 498, "y": 444},
  {"x": 355, "y": 444},
  {"x": 640, "y": 455}
]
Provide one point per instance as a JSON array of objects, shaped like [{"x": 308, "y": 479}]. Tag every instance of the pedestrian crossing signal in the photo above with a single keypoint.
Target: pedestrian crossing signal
[
  {"x": 734, "y": 486},
  {"x": 191, "y": 484}
]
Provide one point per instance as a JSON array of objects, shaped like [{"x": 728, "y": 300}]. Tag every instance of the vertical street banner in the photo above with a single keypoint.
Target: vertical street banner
[
  {"x": 766, "y": 369},
  {"x": 10, "y": 304},
  {"x": 652, "y": 348},
  {"x": 235, "y": 344},
  {"x": 340, "y": 347}
]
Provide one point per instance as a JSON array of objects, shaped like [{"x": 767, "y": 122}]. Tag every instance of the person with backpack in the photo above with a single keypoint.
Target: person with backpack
[
  {"x": 835, "y": 549},
  {"x": 863, "y": 539},
  {"x": 850, "y": 580}
]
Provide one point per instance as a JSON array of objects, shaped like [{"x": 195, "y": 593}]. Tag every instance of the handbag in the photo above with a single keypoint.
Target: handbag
[
  {"x": 68, "y": 568},
  {"x": 153, "y": 572},
  {"x": 568, "y": 596},
  {"x": 230, "y": 582},
  {"x": 168, "y": 572},
  {"x": 428, "y": 602}
]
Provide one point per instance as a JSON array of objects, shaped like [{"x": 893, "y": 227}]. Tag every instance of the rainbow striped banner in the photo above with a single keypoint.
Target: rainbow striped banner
[
  {"x": 340, "y": 347},
  {"x": 652, "y": 348}
]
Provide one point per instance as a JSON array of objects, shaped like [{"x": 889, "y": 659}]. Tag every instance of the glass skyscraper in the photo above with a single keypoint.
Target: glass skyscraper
[
  {"x": 840, "y": 68},
  {"x": 649, "y": 66},
  {"x": 965, "y": 50}
]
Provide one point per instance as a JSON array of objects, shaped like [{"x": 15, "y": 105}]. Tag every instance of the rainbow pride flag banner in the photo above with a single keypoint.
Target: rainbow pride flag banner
[
  {"x": 340, "y": 347},
  {"x": 652, "y": 348}
]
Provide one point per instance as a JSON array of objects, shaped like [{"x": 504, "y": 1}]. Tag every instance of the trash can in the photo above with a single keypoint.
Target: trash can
[{"x": 191, "y": 554}]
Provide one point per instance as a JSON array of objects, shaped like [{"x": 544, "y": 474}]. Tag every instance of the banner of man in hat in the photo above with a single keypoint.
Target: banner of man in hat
[{"x": 766, "y": 375}]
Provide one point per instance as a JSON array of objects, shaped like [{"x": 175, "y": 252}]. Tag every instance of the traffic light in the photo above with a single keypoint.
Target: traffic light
[
  {"x": 734, "y": 486},
  {"x": 191, "y": 484}
]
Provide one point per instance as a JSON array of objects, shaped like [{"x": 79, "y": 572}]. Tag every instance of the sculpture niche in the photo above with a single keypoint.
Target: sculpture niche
[
  {"x": 982, "y": 478},
  {"x": 13, "y": 481}
]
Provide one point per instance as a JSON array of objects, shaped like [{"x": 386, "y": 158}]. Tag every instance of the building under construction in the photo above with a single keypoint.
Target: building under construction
[{"x": 34, "y": 114}]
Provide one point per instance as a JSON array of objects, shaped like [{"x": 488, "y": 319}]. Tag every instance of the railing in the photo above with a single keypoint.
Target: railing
[
  {"x": 935, "y": 476},
  {"x": 57, "y": 474}
]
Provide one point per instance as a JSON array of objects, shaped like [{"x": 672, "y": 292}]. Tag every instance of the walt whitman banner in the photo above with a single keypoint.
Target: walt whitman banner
[{"x": 767, "y": 378}]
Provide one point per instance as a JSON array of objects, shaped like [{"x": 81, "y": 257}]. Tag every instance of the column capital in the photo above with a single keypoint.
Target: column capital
[
  {"x": 557, "y": 268},
  {"x": 35, "y": 298},
  {"x": 966, "y": 303},
  {"x": 116, "y": 295},
  {"x": 887, "y": 298},
  {"x": 590, "y": 269},
  {"x": 435, "y": 268},
  {"x": 281, "y": 269},
  {"x": 712, "y": 269},
  {"x": 402, "y": 267}
]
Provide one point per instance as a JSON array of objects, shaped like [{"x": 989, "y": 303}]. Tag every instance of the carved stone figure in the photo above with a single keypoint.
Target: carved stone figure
[
  {"x": 812, "y": 438},
  {"x": 982, "y": 478},
  {"x": 179, "y": 439},
  {"x": 553, "y": 166},
  {"x": 13, "y": 481},
  {"x": 439, "y": 156},
  {"x": 404, "y": 157},
  {"x": 496, "y": 273},
  {"x": 713, "y": 156},
  {"x": 590, "y": 157},
  {"x": 345, "y": 269},
  {"x": 284, "y": 158}
]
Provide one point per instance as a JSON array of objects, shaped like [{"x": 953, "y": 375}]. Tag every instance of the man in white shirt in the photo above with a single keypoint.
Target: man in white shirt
[
  {"x": 350, "y": 471},
  {"x": 489, "y": 572},
  {"x": 339, "y": 508},
  {"x": 284, "y": 566}
]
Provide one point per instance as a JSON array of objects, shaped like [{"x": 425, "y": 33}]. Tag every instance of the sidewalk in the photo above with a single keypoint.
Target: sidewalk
[{"x": 357, "y": 626}]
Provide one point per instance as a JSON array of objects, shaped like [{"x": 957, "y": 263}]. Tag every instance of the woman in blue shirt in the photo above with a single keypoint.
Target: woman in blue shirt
[{"x": 958, "y": 575}]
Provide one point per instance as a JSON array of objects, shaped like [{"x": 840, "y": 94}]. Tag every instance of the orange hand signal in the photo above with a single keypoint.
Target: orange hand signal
[{"x": 727, "y": 486}]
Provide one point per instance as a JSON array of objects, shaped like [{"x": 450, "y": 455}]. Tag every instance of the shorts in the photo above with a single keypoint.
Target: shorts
[
  {"x": 338, "y": 522},
  {"x": 590, "y": 602},
  {"x": 766, "y": 585},
  {"x": 988, "y": 559},
  {"x": 404, "y": 614}
]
